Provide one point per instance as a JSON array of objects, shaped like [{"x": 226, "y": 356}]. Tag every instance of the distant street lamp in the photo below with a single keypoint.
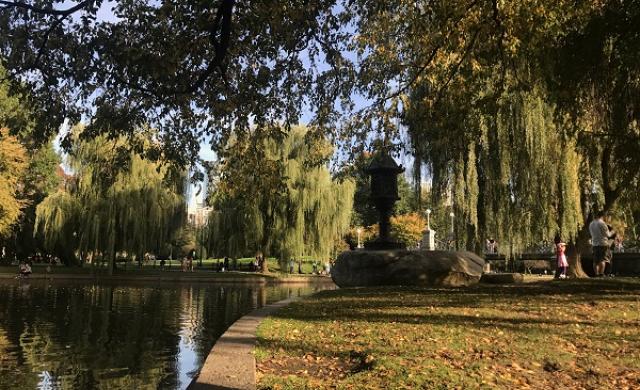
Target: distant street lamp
[
  {"x": 359, "y": 239},
  {"x": 428, "y": 241},
  {"x": 451, "y": 214}
]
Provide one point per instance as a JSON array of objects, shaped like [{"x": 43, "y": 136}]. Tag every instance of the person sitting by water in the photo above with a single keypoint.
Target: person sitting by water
[{"x": 25, "y": 269}]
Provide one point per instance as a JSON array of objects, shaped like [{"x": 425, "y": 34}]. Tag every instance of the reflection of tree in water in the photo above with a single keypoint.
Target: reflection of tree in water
[
  {"x": 90, "y": 337},
  {"x": 111, "y": 337},
  {"x": 103, "y": 336}
]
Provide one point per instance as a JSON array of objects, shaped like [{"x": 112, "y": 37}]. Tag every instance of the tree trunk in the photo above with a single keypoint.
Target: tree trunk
[{"x": 574, "y": 253}]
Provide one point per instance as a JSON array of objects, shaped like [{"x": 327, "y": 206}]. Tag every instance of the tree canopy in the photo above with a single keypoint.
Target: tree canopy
[{"x": 188, "y": 68}]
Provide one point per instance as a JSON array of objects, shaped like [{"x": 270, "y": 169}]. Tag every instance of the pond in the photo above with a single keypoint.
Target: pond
[{"x": 102, "y": 336}]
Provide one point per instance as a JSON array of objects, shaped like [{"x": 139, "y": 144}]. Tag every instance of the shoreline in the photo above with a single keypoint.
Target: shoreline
[
  {"x": 172, "y": 276},
  {"x": 231, "y": 363}
]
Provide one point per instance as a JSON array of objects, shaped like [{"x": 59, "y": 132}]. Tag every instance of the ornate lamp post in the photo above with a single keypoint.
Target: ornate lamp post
[
  {"x": 429, "y": 237},
  {"x": 384, "y": 193}
]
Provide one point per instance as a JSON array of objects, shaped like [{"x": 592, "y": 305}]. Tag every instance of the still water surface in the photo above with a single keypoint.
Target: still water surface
[{"x": 101, "y": 336}]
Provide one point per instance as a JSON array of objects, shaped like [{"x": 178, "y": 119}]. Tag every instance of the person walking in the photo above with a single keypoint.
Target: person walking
[{"x": 600, "y": 236}]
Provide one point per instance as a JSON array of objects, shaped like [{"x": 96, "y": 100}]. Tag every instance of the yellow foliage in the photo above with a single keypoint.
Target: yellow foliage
[
  {"x": 13, "y": 163},
  {"x": 408, "y": 228}
]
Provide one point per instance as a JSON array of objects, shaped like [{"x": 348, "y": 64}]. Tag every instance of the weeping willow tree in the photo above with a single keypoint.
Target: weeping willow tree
[
  {"x": 276, "y": 195},
  {"x": 118, "y": 203},
  {"x": 510, "y": 173}
]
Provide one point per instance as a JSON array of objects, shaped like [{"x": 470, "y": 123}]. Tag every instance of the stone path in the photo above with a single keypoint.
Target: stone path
[{"x": 231, "y": 363}]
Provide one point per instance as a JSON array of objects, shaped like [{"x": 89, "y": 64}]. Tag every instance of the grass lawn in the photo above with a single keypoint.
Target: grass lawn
[{"x": 573, "y": 334}]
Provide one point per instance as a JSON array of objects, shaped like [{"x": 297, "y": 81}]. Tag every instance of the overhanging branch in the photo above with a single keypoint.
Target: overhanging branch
[{"x": 46, "y": 11}]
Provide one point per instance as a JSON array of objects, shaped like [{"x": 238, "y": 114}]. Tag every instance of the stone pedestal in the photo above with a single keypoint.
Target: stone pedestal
[
  {"x": 428, "y": 242},
  {"x": 407, "y": 268}
]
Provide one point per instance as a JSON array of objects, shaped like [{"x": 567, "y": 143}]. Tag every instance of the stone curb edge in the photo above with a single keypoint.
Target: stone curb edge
[{"x": 231, "y": 363}]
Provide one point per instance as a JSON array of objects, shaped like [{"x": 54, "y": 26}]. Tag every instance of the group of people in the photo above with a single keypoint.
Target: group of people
[
  {"x": 316, "y": 268},
  {"x": 603, "y": 242},
  {"x": 256, "y": 265}
]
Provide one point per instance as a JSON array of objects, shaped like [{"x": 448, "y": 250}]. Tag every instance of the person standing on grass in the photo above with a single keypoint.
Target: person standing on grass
[
  {"x": 562, "y": 260},
  {"x": 600, "y": 236}
]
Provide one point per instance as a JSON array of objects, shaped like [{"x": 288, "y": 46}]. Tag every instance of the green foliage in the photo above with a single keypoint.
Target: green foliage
[
  {"x": 15, "y": 113},
  {"x": 407, "y": 202},
  {"x": 277, "y": 196},
  {"x": 41, "y": 179},
  {"x": 513, "y": 177}
]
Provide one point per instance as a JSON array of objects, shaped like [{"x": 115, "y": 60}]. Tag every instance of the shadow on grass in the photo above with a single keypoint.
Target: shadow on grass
[
  {"x": 514, "y": 324},
  {"x": 385, "y": 304}
]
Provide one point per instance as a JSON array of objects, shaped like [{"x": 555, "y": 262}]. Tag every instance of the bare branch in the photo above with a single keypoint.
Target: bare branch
[
  {"x": 222, "y": 24},
  {"x": 415, "y": 78},
  {"x": 47, "y": 11}
]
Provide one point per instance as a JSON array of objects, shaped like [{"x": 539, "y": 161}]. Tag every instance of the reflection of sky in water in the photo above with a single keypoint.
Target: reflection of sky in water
[
  {"x": 85, "y": 336},
  {"x": 187, "y": 357},
  {"x": 46, "y": 381},
  {"x": 186, "y": 362}
]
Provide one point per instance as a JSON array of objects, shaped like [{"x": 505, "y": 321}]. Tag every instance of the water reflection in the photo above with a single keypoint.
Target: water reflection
[{"x": 79, "y": 336}]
